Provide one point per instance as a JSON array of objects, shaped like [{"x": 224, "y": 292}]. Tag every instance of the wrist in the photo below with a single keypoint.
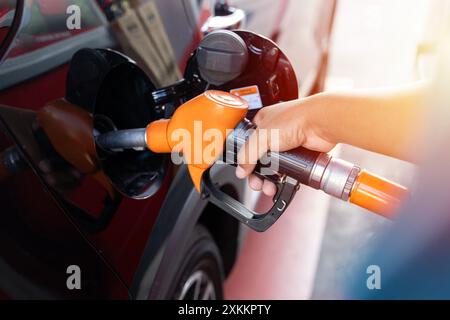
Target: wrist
[{"x": 318, "y": 113}]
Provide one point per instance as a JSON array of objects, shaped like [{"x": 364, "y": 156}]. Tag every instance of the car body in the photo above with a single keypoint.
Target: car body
[{"x": 127, "y": 248}]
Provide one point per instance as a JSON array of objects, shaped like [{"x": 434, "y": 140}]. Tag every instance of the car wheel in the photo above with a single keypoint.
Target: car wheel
[{"x": 200, "y": 276}]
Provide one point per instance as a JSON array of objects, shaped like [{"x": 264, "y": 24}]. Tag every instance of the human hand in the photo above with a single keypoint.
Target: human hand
[{"x": 298, "y": 123}]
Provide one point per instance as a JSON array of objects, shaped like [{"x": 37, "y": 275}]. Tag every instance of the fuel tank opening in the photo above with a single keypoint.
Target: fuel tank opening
[{"x": 122, "y": 100}]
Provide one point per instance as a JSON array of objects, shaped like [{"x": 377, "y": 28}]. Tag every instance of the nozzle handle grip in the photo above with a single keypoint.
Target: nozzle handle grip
[
  {"x": 297, "y": 163},
  {"x": 257, "y": 221}
]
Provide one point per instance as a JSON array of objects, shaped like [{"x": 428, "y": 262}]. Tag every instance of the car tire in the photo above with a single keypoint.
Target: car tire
[{"x": 200, "y": 275}]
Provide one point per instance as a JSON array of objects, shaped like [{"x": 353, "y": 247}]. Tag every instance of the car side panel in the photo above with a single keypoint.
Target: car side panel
[
  {"x": 177, "y": 218},
  {"x": 38, "y": 77},
  {"x": 38, "y": 241}
]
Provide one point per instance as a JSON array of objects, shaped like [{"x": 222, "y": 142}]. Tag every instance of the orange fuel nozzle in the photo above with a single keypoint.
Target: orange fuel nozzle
[{"x": 187, "y": 131}]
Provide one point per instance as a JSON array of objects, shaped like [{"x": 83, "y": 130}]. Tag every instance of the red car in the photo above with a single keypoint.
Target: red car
[{"x": 155, "y": 237}]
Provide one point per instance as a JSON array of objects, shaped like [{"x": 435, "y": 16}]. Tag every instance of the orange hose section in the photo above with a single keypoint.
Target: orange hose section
[{"x": 377, "y": 194}]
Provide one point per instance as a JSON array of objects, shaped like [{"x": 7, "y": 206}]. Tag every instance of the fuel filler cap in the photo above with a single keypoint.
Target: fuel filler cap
[{"x": 222, "y": 56}]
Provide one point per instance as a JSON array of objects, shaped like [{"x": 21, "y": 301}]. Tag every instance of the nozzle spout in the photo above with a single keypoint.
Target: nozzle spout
[{"x": 123, "y": 139}]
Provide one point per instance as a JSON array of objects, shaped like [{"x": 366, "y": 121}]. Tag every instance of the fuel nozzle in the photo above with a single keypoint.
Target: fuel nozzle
[
  {"x": 213, "y": 110},
  {"x": 225, "y": 113},
  {"x": 336, "y": 177}
]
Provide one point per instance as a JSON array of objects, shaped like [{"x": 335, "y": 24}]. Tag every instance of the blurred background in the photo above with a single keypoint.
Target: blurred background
[{"x": 310, "y": 252}]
